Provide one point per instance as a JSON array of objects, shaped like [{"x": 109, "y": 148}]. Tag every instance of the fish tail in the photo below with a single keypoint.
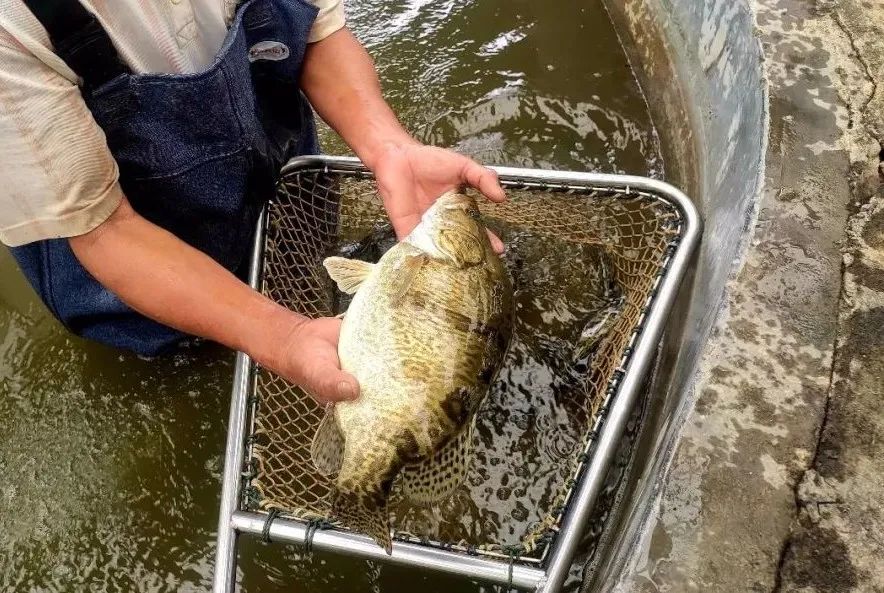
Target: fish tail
[{"x": 365, "y": 513}]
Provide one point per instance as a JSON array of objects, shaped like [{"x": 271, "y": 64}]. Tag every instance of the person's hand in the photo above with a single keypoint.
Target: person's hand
[
  {"x": 309, "y": 358},
  {"x": 411, "y": 176}
]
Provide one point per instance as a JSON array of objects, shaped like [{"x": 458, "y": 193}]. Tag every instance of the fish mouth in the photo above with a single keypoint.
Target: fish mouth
[
  {"x": 446, "y": 215},
  {"x": 456, "y": 198}
]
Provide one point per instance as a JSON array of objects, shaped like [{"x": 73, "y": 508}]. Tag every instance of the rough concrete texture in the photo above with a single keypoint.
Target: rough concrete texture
[
  {"x": 837, "y": 542},
  {"x": 777, "y": 483}
]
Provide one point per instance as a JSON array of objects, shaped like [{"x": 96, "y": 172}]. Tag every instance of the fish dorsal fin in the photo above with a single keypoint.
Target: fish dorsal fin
[
  {"x": 437, "y": 477},
  {"x": 327, "y": 449},
  {"x": 349, "y": 274},
  {"x": 462, "y": 248}
]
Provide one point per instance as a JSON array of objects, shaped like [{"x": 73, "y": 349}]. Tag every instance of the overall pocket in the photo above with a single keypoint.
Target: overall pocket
[{"x": 213, "y": 206}]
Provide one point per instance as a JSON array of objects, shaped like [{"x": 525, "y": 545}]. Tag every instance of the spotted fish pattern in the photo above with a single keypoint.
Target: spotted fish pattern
[{"x": 424, "y": 335}]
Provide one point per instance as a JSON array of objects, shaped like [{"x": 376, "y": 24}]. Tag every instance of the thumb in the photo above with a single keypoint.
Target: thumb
[
  {"x": 483, "y": 179},
  {"x": 403, "y": 225},
  {"x": 326, "y": 382}
]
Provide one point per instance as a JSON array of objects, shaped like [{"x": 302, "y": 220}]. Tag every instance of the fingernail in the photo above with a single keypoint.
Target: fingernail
[{"x": 347, "y": 390}]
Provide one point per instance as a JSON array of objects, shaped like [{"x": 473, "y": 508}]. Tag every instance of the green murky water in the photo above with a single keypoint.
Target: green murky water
[{"x": 111, "y": 464}]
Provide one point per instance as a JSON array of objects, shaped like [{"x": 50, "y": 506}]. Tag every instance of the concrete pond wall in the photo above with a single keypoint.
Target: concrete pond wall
[
  {"x": 754, "y": 469},
  {"x": 700, "y": 65}
]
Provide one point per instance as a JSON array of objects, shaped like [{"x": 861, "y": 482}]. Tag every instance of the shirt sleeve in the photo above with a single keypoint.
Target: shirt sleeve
[
  {"x": 57, "y": 175},
  {"x": 330, "y": 19}
]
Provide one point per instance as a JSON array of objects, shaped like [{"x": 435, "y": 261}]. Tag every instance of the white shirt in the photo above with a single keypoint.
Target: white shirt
[{"x": 57, "y": 175}]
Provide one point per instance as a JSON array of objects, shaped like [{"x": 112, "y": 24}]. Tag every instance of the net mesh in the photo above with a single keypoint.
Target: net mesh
[{"x": 316, "y": 211}]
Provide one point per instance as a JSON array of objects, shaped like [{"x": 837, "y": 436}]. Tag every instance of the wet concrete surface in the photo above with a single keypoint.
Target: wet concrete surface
[
  {"x": 837, "y": 538},
  {"x": 777, "y": 482}
]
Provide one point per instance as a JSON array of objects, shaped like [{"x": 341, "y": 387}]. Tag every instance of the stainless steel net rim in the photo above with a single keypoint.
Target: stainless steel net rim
[{"x": 549, "y": 572}]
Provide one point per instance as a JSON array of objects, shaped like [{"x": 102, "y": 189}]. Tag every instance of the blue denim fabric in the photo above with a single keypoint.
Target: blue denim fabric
[{"x": 198, "y": 155}]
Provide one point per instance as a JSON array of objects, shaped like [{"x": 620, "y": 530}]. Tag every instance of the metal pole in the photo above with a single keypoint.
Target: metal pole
[
  {"x": 224, "y": 580},
  {"x": 566, "y": 543},
  {"x": 404, "y": 554}
]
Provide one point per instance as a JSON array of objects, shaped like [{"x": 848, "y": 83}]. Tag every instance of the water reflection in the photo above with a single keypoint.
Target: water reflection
[{"x": 517, "y": 83}]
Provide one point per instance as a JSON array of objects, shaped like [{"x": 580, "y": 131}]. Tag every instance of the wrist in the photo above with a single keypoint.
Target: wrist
[
  {"x": 383, "y": 145},
  {"x": 270, "y": 335}
]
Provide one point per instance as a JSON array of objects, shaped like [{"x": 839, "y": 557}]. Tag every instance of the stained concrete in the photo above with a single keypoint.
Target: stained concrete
[
  {"x": 837, "y": 538},
  {"x": 775, "y": 481}
]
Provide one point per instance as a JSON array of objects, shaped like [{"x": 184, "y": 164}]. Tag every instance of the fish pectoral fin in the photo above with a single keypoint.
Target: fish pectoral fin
[
  {"x": 327, "y": 448},
  {"x": 437, "y": 477},
  {"x": 408, "y": 270},
  {"x": 349, "y": 274},
  {"x": 365, "y": 513}
]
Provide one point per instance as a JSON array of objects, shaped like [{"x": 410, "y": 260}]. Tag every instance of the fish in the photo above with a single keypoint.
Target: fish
[{"x": 424, "y": 335}]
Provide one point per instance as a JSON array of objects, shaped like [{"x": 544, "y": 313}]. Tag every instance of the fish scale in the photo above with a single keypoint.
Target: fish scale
[{"x": 424, "y": 335}]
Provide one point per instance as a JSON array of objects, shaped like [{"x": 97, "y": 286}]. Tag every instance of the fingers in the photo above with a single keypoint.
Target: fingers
[
  {"x": 326, "y": 382},
  {"x": 487, "y": 182},
  {"x": 318, "y": 368},
  {"x": 328, "y": 328},
  {"x": 496, "y": 243},
  {"x": 483, "y": 179}
]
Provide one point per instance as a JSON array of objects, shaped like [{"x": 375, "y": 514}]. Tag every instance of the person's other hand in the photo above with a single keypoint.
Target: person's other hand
[
  {"x": 412, "y": 175},
  {"x": 309, "y": 358}
]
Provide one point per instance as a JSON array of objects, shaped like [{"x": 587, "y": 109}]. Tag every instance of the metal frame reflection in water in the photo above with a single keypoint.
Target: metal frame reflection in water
[{"x": 551, "y": 574}]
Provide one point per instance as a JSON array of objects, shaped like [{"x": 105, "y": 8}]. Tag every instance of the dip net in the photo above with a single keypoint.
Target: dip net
[{"x": 585, "y": 263}]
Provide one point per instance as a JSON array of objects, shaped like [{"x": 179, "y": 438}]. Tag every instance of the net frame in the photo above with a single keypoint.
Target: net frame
[{"x": 658, "y": 302}]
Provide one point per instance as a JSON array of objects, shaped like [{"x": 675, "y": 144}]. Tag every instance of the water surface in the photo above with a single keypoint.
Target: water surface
[{"x": 112, "y": 464}]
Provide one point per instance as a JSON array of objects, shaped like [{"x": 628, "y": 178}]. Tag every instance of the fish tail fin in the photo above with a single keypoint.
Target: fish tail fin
[{"x": 365, "y": 513}]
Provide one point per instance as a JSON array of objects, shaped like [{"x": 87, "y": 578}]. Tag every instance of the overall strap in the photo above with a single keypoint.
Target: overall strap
[{"x": 79, "y": 40}]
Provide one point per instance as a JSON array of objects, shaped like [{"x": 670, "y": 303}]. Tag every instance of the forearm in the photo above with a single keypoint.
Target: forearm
[
  {"x": 169, "y": 281},
  {"x": 340, "y": 80}
]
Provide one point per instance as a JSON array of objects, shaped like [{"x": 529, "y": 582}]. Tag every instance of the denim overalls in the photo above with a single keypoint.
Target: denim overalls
[{"x": 198, "y": 153}]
